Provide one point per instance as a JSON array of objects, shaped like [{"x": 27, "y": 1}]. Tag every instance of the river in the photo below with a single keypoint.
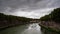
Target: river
[{"x": 23, "y": 29}]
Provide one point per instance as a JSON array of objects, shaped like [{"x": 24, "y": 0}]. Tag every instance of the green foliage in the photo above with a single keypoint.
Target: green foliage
[
  {"x": 54, "y": 16},
  {"x": 11, "y": 18}
]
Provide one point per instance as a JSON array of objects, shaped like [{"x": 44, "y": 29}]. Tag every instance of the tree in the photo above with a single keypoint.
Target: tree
[{"x": 54, "y": 16}]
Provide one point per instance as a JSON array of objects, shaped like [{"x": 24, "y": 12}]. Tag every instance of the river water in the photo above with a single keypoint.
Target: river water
[{"x": 23, "y": 29}]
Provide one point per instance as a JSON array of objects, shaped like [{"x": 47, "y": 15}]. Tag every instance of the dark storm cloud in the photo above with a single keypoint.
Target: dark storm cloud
[
  {"x": 35, "y": 7},
  {"x": 28, "y": 4},
  {"x": 14, "y": 4}
]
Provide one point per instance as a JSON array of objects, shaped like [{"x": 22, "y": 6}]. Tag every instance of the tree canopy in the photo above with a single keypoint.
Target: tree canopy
[
  {"x": 54, "y": 16},
  {"x": 13, "y": 18}
]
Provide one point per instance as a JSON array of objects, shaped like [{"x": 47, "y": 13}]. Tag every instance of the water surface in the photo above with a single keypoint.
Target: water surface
[{"x": 23, "y": 29}]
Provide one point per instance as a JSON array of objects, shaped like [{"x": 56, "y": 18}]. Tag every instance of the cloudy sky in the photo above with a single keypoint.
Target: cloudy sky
[{"x": 28, "y": 8}]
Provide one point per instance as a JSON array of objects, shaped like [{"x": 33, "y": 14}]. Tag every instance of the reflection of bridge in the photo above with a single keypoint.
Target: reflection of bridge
[{"x": 34, "y": 21}]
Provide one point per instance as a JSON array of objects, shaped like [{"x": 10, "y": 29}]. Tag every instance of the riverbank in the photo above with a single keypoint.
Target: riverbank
[{"x": 50, "y": 26}]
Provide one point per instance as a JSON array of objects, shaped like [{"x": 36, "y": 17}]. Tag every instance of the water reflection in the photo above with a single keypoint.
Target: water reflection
[
  {"x": 24, "y": 29},
  {"x": 27, "y": 29},
  {"x": 32, "y": 29}
]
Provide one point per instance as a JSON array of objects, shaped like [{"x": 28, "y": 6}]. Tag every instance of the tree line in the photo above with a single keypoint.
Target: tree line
[
  {"x": 13, "y": 18},
  {"x": 53, "y": 16}
]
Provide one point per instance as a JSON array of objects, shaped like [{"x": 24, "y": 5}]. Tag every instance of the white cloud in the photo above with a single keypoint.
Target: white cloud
[{"x": 33, "y": 14}]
